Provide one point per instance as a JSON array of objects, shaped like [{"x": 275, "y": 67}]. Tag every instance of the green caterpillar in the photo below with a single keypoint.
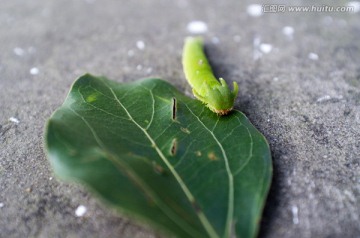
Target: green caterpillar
[{"x": 216, "y": 95}]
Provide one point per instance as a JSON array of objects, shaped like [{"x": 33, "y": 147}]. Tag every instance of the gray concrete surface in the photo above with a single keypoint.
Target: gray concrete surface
[{"x": 302, "y": 90}]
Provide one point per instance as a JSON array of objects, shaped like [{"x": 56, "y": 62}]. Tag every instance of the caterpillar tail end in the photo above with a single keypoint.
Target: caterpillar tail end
[
  {"x": 228, "y": 97},
  {"x": 220, "y": 98}
]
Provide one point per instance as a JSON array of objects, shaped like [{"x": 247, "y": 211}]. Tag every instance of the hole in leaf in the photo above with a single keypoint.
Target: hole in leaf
[
  {"x": 173, "y": 147},
  {"x": 174, "y": 109}
]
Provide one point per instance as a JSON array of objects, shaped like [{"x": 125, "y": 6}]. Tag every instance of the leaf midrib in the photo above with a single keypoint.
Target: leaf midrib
[
  {"x": 133, "y": 176},
  {"x": 203, "y": 219}
]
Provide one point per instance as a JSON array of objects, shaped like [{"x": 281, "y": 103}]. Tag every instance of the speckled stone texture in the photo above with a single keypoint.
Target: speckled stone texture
[{"x": 300, "y": 89}]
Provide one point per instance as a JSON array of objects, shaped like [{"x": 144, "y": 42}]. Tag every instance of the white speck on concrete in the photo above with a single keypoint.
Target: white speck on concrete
[
  {"x": 80, "y": 211},
  {"x": 130, "y": 53},
  {"x": 355, "y": 5},
  {"x": 51, "y": 178},
  {"x": 275, "y": 79},
  {"x": 34, "y": 71},
  {"x": 1, "y": 204},
  {"x": 288, "y": 31},
  {"x": 237, "y": 38},
  {"x": 139, "y": 67},
  {"x": 149, "y": 70},
  {"x": 19, "y": 51},
  {"x": 140, "y": 45},
  {"x": 197, "y": 27},
  {"x": 14, "y": 119},
  {"x": 266, "y": 48},
  {"x": 295, "y": 213},
  {"x": 323, "y": 98},
  {"x": 313, "y": 56},
  {"x": 215, "y": 40},
  {"x": 254, "y": 10},
  {"x": 328, "y": 97}
]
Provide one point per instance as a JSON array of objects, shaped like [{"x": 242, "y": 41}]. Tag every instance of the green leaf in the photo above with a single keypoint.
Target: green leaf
[{"x": 160, "y": 156}]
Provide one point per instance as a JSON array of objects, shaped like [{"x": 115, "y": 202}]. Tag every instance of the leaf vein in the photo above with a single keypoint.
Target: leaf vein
[
  {"x": 153, "y": 110},
  {"x": 230, "y": 212},
  {"x": 247, "y": 160}
]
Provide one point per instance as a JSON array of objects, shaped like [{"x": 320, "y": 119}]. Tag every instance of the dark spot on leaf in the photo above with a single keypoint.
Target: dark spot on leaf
[
  {"x": 212, "y": 156},
  {"x": 196, "y": 207},
  {"x": 157, "y": 168},
  {"x": 173, "y": 147},
  {"x": 174, "y": 109},
  {"x": 185, "y": 130}
]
